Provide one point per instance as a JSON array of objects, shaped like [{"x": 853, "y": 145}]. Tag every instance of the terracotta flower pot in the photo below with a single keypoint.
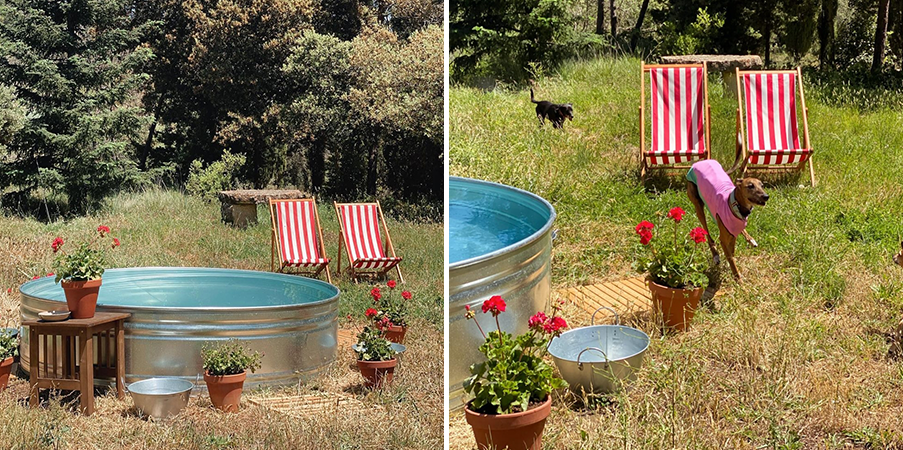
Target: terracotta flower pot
[
  {"x": 5, "y": 368},
  {"x": 516, "y": 431},
  {"x": 396, "y": 334},
  {"x": 377, "y": 373},
  {"x": 225, "y": 390},
  {"x": 674, "y": 308},
  {"x": 81, "y": 297}
]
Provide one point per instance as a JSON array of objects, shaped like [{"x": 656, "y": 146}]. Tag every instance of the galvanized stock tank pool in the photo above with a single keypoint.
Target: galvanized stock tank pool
[
  {"x": 175, "y": 310},
  {"x": 500, "y": 243}
]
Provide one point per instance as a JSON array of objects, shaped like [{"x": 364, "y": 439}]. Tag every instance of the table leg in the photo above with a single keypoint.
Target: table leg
[
  {"x": 120, "y": 359},
  {"x": 34, "y": 400},
  {"x": 86, "y": 371}
]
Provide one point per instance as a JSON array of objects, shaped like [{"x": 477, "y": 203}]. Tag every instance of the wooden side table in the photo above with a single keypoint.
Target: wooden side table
[{"x": 75, "y": 341}]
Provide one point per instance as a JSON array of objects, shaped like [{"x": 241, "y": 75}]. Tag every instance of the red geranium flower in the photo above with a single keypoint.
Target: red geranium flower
[
  {"x": 35, "y": 277},
  {"x": 57, "y": 243},
  {"x": 406, "y": 295},
  {"x": 644, "y": 225},
  {"x": 115, "y": 242},
  {"x": 495, "y": 304},
  {"x": 698, "y": 234},
  {"x": 676, "y": 213},
  {"x": 103, "y": 229},
  {"x": 376, "y": 294},
  {"x": 391, "y": 284},
  {"x": 371, "y": 312},
  {"x": 536, "y": 322}
]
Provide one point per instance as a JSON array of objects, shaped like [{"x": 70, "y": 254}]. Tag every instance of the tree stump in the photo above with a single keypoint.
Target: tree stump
[
  {"x": 239, "y": 208},
  {"x": 726, "y": 64}
]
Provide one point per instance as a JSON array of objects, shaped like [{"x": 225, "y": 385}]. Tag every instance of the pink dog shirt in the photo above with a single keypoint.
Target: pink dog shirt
[{"x": 716, "y": 189}]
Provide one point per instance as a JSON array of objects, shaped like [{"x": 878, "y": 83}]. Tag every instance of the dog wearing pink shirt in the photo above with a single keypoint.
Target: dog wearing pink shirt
[{"x": 729, "y": 203}]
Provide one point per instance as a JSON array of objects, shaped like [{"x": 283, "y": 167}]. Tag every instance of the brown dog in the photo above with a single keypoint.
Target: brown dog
[
  {"x": 730, "y": 203},
  {"x": 898, "y": 258}
]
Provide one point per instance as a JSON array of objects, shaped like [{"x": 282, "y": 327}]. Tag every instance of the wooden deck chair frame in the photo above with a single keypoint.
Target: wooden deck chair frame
[
  {"x": 645, "y": 165},
  {"x": 277, "y": 249},
  {"x": 388, "y": 250},
  {"x": 742, "y": 149}
]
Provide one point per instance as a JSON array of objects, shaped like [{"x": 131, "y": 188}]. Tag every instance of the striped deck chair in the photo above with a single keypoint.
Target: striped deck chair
[
  {"x": 362, "y": 240},
  {"x": 297, "y": 237},
  {"x": 679, "y": 116},
  {"x": 771, "y": 131}
]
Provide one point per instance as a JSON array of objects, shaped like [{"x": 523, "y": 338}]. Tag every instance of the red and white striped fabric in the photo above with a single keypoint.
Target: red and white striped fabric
[
  {"x": 678, "y": 133},
  {"x": 296, "y": 221},
  {"x": 360, "y": 226},
  {"x": 772, "y": 136}
]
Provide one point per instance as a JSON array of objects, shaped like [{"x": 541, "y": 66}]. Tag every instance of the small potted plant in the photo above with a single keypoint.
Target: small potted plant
[
  {"x": 512, "y": 388},
  {"x": 79, "y": 272},
  {"x": 9, "y": 348},
  {"x": 676, "y": 268},
  {"x": 392, "y": 307},
  {"x": 375, "y": 355},
  {"x": 225, "y": 370}
]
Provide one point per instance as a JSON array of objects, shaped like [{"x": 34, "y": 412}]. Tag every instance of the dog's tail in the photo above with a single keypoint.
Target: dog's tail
[
  {"x": 738, "y": 160},
  {"x": 531, "y": 96}
]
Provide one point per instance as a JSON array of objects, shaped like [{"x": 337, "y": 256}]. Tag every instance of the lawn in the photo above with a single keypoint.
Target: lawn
[
  {"x": 166, "y": 228},
  {"x": 792, "y": 358}
]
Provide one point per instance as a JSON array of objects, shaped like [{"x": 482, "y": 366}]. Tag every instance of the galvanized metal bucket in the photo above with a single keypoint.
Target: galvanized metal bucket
[
  {"x": 518, "y": 268},
  {"x": 599, "y": 358},
  {"x": 161, "y": 397}
]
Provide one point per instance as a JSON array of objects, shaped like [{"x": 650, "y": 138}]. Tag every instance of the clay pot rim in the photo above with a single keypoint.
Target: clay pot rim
[
  {"x": 81, "y": 283},
  {"x": 649, "y": 280},
  {"x": 8, "y": 361},
  {"x": 547, "y": 404},
  {"x": 380, "y": 364},
  {"x": 231, "y": 377}
]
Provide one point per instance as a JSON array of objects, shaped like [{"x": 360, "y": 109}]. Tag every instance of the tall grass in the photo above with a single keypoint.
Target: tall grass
[
  {"x": 793, "y": 357},
  {"x": 165, "y": 228}
]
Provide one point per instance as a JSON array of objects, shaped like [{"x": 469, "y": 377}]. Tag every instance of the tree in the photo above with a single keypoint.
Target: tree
[
  {"x": 503, "y": 37},
  {"x": 880, "y": 35},
  {"x": 826, "y": 19},
  {"x": 634, "y": 38},
  {"x": 76, "y": 69},
  {"x": 614, "y": 19},
  {"x": 600, "y": 16},
  {"x": 799, "y": 22}
]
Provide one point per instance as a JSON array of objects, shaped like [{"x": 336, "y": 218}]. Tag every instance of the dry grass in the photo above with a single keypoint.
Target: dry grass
[
  {"x": 166, "y": 228},
  {"x": 794, "y": 358}
]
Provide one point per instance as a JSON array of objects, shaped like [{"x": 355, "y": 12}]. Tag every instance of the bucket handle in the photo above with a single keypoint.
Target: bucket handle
[
  {"x": 580, "y": 364},
  {"x": 592, "y": 320}
]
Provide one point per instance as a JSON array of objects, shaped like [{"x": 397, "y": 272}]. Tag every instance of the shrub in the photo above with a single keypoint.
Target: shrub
[
  {"x": 229, "y": 358},
  {"x": 220, "y": 175}
]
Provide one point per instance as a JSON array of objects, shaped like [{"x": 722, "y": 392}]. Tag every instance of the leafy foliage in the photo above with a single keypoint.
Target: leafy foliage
[
  {"x": 9, "y": 345},
  {"x": 390, "y": 306},
  {"x": 229, "y": 358},
  {"x": 699, "y": 37},
  {"x": 514, "y": 373},
  {"x": 673, "y": 259},
  {"x": 88, "y": 261},
  {"x": 220, "y": 175},
  {"x": 373, "y": 346}
]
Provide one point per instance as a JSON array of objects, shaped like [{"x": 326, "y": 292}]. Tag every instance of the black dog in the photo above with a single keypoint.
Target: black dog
[{"x": 555, "y": 112}]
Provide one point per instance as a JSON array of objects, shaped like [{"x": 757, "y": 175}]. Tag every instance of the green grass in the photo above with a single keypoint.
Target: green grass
[
  {"x": 166, "y": 228},
  {"x": 792, "y": 358}
]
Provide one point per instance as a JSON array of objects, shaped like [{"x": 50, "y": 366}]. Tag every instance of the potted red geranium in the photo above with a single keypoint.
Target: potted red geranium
[
  {"x": 512, "y": 388},
  {"x": 391, "y": 311},
  {"x": 676, "y": 268},
  {"x": 79, "y": 271},
  {"x": 9, "y": 348}
]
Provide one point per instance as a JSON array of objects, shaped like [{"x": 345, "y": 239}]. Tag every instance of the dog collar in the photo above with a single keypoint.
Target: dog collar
[{"x": 735, "y": 207}]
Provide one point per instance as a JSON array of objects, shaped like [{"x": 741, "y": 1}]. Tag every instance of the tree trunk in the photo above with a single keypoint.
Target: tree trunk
[
  {"x": 880, "y": 35},
  {"x": 826, "y": 19},
  {"x": 600, "y": 17},
  {"x": 639, "y": 25},
  {"x": 895, "y": 27},
  {"x": 766, "y": 37},
  {"x": 614, "y": 19}
]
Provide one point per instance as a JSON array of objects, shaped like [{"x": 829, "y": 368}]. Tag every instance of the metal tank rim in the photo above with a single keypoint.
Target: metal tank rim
[
  {"x": 256, "y": 273},
  {"x": 508, "y": 249}
]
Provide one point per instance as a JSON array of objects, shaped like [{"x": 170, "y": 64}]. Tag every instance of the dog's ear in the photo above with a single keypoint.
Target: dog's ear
[{"x": 901, "y": 244}]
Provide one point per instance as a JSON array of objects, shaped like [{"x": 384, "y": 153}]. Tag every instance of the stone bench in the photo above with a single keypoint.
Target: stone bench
[
  {"x": 726, "y": 64},
  {"x": 239, "y": 207}
]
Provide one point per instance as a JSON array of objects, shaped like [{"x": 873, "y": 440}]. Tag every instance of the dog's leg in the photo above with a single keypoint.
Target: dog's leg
[
  {"x": 693, "y": 194},
  {"x": 542, "y": 119},
  {"x": 728, "y": 242},
  {"x": 750, "y": 239}
]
